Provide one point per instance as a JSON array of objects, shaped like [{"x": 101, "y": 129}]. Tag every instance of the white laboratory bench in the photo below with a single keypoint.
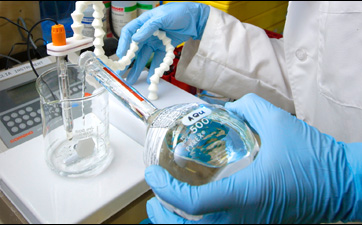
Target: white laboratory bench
[{"x": 41, "y": 196}]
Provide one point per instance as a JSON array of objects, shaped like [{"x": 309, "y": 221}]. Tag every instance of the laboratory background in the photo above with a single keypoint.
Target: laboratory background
[{"x": 34, "y": 186}]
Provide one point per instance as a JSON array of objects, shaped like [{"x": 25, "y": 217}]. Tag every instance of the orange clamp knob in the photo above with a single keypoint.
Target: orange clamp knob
[{"x": 58, "y": 35}]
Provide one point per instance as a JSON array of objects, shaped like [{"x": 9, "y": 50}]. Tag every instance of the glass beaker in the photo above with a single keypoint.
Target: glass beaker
[{"x": 81, "y": 147}]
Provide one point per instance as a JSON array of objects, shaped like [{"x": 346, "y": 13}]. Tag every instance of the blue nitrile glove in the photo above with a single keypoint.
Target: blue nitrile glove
[
  {"x": 299, "y": 176},
  {"x": 180, "y": 20}
]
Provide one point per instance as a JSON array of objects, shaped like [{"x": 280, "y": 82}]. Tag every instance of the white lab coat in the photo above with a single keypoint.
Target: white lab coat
[{"x": 314, "y": 71}]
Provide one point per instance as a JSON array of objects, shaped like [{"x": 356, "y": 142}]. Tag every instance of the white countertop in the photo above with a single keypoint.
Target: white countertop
[{"x": 44, "y": 197}]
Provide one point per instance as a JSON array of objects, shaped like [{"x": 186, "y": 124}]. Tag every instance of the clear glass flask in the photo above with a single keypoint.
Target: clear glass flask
[
  {"x": 76, "y": 145},
  {"x": 196, "y": 143}
]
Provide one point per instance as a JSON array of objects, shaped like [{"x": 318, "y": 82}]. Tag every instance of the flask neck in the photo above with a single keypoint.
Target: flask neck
[{"x": 141, "y": 107}]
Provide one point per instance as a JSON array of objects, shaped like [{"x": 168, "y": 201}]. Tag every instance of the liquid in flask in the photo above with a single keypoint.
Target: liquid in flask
[{"x": 196, "y": 143}]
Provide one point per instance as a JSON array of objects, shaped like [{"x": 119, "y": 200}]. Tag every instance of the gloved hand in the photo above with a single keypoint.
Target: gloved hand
[
  {"x": 180, "y": 20},
  {"x": 299, "y": 176}
]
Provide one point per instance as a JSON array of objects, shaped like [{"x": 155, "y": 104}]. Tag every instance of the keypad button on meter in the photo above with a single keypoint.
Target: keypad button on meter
[
  {"x": 6, "y": 118},
  {"x": 29, "y": 122},
  {"x": 14, "y": 129},
  {"x": 18, "y": 120},
  {"x": 37, "y": 119},
  {"x": 22, "y": 126},
  {"x": 21, "y": 112},
  {"x": 10, "y": 123},
  {"x": 33, "y": 114},
  {"x": 14, "y": 115},
  {"x": 29, "y": 109},
  {"x": 26, "y": 117}
]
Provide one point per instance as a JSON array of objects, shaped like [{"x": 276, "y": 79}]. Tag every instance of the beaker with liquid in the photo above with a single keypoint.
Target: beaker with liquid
[{"x": 77, "y": 145}]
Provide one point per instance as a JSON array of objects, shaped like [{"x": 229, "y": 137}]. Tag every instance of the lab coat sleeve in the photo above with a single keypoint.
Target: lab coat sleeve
[{"x": 233, "y": 59}]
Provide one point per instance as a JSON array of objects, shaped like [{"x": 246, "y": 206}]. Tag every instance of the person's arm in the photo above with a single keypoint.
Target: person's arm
[
  {"x": 299, "y": 176},
  {"x": 233, "y": 59},
  {"x": 353, "y": 153},
  {"x": 180, "y": 20}
]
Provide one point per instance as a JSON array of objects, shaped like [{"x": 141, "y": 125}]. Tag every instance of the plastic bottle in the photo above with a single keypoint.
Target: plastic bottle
[
  {"x": 107, "y": 4},
  {"x": 144, "y": 6},
  {"x": 87, "y": 20},
  {"x": 122, "y": 13}
]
